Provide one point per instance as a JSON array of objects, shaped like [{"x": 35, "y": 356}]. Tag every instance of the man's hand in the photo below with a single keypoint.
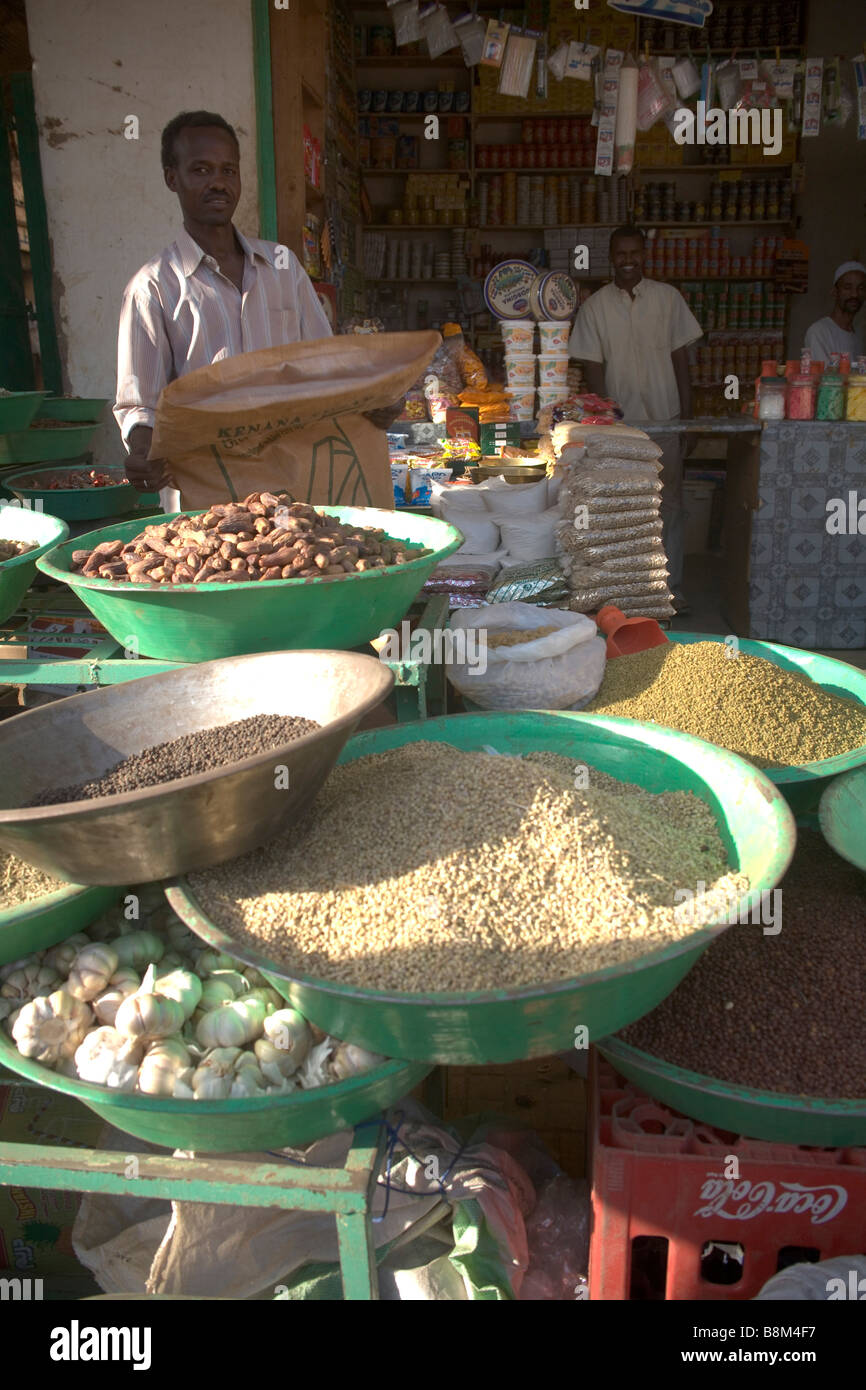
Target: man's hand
[
  {"x": 385, "y": 417},
  {"x": 147, "y": 475}
]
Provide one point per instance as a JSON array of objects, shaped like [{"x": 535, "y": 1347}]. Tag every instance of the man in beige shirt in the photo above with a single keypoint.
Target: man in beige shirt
[
  {"x": 210, "y": 295},
  {"x": 632, "y": 337}
]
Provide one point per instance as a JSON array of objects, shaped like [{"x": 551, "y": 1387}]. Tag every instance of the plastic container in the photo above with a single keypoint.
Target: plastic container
[
  {"x": 43, "y": 922},
  {"x": 856, "y": 404},
  {"x": 831, "y": 393},
  {"x": 16, "y": 575},
  {"x": 73, "y": 504},
  {"x": 521, "y": 401},
  {"x": 554, "y": 335},
  {"x": 18, "y": 409},
  {"x": 506, "y": 1025},
  {"x": 517, "y": 335},
  {"x": 772, "y": 398},
  {"x": 801, "y": 397},
  {"x": 42, "y": 446},
  {"x": 81, "y": 409},
  {"x": 803, "y": 783},
  {"x": 208, "y": 1126},
  {"x": 520, "y": 370},
  {"x": 551, "y": 395},
  {"x": 842, "y": 816},
  {"x": 192, "y": 622},
  {"x": 553, "y": 369}
]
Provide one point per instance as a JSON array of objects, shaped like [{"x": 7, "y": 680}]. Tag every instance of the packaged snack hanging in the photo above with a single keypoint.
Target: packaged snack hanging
[
  {"x": 469, "y": 364},
  {"x": 831, "y": 392}
]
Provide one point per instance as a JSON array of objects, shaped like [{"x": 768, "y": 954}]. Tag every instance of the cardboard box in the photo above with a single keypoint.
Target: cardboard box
[{"x": 494, "y": 438}]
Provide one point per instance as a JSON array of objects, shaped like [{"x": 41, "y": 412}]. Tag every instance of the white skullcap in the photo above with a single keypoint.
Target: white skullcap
[{"x": 845, "y": 267}]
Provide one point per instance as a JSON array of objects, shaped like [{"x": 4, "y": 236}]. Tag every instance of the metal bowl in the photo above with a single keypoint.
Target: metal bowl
[
  {"x": 507, "y": 1025},
  {"x": 194, "y": 822}
]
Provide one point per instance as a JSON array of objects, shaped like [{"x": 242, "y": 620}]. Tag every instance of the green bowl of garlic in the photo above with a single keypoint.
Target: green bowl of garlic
[{"x": 181, "y": 1046}]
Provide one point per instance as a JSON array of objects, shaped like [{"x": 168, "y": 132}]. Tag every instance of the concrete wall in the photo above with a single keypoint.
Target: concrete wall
[
  {"x": 833, "y": 205},
  {"x": 96, "y": 62}
]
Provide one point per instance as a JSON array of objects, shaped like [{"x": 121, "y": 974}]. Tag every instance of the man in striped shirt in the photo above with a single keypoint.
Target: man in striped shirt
[{"x": 210, "y": 295}]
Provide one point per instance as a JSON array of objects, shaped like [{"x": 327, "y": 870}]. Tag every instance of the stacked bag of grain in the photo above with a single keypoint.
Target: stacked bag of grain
[{"x": 610, "y": 533}]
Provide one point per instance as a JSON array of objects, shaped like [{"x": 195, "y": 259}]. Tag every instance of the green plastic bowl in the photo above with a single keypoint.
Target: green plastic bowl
[
  {"x": 842, "y": 816},
  {"x": 770, "y": 1115},
  {"x": 207, "y": 1126},
  {"x": 508, "y": 1025},
  {"x": 73, "y": 504},
  {"x": 16, "y": 575},
  {"x": 80, "y": 409},
  {"x": 202, "y": 622},
  {"x": 18, "y": 409},
  {"x": 803, "y": 783},
  {"x": 41, "y": 446},
  {"x": 42, "y": 922}
]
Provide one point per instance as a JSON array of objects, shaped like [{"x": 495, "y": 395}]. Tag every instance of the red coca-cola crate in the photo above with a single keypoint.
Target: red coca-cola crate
[{"x": 682, "y": 1211}]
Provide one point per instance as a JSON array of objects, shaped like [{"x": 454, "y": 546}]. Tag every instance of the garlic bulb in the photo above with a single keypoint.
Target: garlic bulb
[
  {"x": 248, "y": 1081},
  {"x": 164, "y": 1062},
  {"x": 216, "y": 991},
  {"x": 138, "y": 949},
  {"x": 234, "y": 978},
  {"x": 61, "y": 957},
  {"x": 274, "y": 1064},
  {"x": 147, "y": 1014},
  {"x": 124, "y": 981},
  {"x": 232, "y": 1025},
  {"x": 314, "y": 1071},
  {"x": 351, "y": 1060},
  {"x": 52, "y": 1026},
  {"x": 13, "y": 965},
  {"x": 254, "y": 977},
  {"x": 182, "y": 986},
  {"x": 209, "y": 961},
  {"x": 172, "y": 960},
  {"x": 289, "y": 1033},
  {"x": 7, "y": 1008},
  {"x": 28, "y": 982},
  {"x": 212, "y": 1079},
  {"x": 91, "y": 970},
  {"x": 180, "y": 938},
  {"x": 109, "y": 1059},
  {"x": 268, "y": 996}
]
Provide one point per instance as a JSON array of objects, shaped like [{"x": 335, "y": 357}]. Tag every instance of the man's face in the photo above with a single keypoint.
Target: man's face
[
  {"x": 206, "y": 176},
  {"x": 851, "y": 291},
  {"x": 627, "y": 258}
]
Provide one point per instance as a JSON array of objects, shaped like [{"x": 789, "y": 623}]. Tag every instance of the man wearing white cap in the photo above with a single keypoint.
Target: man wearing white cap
[{"x": 836, "y": 332}]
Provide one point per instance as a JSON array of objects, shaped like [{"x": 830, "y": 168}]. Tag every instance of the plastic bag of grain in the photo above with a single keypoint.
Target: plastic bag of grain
[
  {"x": 619, "y": 441},
  {"x": 554, "y": 670}
]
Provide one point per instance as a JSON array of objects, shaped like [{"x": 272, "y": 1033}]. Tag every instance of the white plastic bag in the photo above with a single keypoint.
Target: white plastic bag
[
  {"x": 451, "y": 500},
  {"x": 480, "y": 531},
  {"x": 529, "y": 537},
  {"x": 515, "y": 499},
  {"x": 560, "y": 671}
]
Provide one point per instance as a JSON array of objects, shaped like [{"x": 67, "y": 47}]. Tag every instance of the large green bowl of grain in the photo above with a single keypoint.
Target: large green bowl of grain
[
  {"x": 39, "y": 530},
  {"x": 842, "y": 816},
  {"x": 803, "y": 783},
  {"x": 38, "y": 923},
  {"x": 202, "y": 622},
  {"x": 508, "y": 1025},
  {"x": 770, "y": 1115}
]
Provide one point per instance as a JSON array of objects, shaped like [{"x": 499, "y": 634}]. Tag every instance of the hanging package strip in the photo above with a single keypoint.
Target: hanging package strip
[
  {"x": 471, "y": 31},
  {"x": 693, "y": 12},
  {"x": 812, "y": 96},
  {"x": 626, "y": 116},
  {"x": 604, "y": 149},
  {"x": 860, "y": 77},
  {"x": 406, "y": 18},
  {"x": 438, "y": 30},
  {"x": 515, "y": 75}
]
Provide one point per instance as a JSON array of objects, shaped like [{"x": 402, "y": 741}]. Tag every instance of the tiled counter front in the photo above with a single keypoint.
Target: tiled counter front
[{"x": 807, "y": 588}]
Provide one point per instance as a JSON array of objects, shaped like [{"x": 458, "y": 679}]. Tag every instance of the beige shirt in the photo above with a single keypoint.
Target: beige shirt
[
  {"x": 180, "y": 313},
  {"x": 634, "y": 338}
]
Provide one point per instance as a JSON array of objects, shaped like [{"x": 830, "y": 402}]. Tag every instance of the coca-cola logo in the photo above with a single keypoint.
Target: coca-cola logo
[{"x": 742, "y": 1200}]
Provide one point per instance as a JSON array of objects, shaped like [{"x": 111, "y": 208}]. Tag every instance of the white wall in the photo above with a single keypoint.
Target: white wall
[{"x": 94, "y": 63}]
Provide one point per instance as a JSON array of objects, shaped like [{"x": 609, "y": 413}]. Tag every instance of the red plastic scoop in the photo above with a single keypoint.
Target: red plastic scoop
[{"x": 625, "y": 636}]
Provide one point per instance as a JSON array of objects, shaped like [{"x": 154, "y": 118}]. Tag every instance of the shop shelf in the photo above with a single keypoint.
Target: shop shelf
[{"x": 507, "y": 1025}]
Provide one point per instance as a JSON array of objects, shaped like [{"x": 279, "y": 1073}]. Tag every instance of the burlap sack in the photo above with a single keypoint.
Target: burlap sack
[{"x": 289, "y": 419}]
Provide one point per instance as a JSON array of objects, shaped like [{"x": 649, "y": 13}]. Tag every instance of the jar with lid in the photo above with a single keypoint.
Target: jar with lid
[
  {"x": 831, "y": 393},
  {"x": 801, "y": 397},
  {"x": 772, "y": 394},
  {"x": 856, "y": 408}
]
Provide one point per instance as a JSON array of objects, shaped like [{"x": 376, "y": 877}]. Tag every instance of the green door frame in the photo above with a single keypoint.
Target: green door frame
[
  {"x": 16, "y": 356},
  {"x": 266, "y": 166},
  {"x": 24, "y": 111}
]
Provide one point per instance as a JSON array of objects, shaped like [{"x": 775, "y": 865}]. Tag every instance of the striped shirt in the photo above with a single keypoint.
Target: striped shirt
[{"x": 180, "y": 313}]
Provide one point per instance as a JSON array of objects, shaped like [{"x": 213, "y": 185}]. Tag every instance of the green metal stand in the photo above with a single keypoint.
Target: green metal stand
[
  {"x": 421, "y": 688},
  {"x": 347, "y": 1192}
]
